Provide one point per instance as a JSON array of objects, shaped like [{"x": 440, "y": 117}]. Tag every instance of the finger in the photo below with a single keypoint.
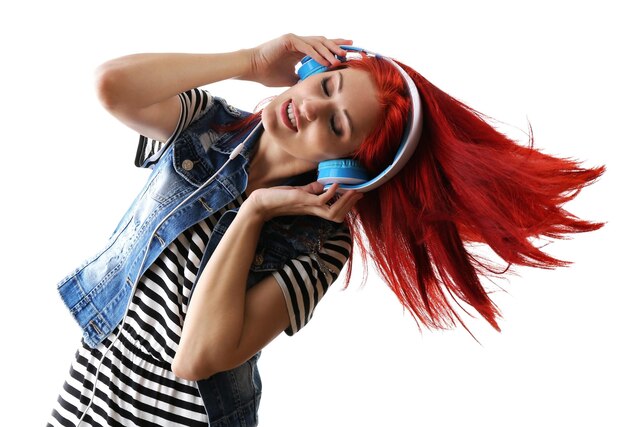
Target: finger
[
  {"x": 326, "y": 49},
  {"x": 351, "y": 204},
  {"x": 339, "y": 209},
  {"x": 341, "y": 41},
  {"x": 327, "y": 196},
  {"x": 307, "y": 47},
  {"x": 330, "y": 50},
  {"x": 293, "y": 79},
  {"x": 345, "y": 202},
  {"x": 314, "y": 187},
  {"x": 315, "y": 198},
  {"x": 336, "y": 48}
]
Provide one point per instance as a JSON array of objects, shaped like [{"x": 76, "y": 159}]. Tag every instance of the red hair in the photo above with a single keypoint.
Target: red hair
[{"x": 466, "y": 183}]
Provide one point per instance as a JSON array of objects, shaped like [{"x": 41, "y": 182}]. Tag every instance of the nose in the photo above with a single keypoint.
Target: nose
[{"x": 312, "y": 108}]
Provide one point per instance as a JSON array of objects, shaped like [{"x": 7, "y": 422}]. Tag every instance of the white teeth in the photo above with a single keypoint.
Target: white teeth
[{"x": 292, "y": 117}]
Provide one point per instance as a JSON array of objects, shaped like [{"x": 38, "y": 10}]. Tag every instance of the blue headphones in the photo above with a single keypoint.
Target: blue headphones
[{"x": 348, "y": 172}]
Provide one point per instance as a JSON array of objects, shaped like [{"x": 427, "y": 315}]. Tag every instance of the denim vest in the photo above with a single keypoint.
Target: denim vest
[{"x": 98, "y": 291}]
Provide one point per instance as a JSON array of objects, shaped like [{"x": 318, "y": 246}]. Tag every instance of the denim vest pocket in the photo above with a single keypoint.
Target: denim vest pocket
[
  {"x": 166, "y": 186},
  {"x": 190, "y": 160}
]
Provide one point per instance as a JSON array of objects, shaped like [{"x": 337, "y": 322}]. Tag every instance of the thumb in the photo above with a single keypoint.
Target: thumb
[
  {"x": 293, "y": 79},
  {"x": 314, "y": 187}
]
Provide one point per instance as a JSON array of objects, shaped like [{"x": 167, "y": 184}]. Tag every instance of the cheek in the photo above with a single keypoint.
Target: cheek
[
  {"x": 319, "y": 139},
  {"x": 268, "y": 119}
]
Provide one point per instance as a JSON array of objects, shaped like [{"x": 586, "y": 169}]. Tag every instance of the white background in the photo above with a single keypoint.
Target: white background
[{"x": 67, "y": 176}]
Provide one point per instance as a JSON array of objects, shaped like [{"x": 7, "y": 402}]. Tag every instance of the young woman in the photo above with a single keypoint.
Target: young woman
[{"x": 232, "y": 215}]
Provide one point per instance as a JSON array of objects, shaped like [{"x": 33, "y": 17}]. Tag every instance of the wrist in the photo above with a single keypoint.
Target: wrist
[
  {"x": 252, "y": 211},
  {"x": 248, "y": 64}
]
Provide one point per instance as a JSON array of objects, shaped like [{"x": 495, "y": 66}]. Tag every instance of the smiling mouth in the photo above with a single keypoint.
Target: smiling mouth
[{"x": 288, "y": 116}]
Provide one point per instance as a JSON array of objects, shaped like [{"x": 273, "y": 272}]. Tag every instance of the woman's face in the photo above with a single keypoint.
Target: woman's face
[{"x": 326, "y": 116}]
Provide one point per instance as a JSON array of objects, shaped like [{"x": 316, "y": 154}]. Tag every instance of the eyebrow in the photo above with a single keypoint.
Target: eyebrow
[{"x": 344, "y": 111}]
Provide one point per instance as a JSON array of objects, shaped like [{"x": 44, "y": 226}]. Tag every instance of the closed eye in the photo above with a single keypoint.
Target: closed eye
[
  {"x": 325, "y": 86},
  {"x": 333, "y": 126}
]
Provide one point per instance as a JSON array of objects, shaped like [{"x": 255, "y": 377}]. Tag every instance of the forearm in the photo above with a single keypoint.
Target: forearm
[
  {"x": 215, "y": 318},
  {"x": 226, "y": 323},
  {"x": 145, "y": 79}
]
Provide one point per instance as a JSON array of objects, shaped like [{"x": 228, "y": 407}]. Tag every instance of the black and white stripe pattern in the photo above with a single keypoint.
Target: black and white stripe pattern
[
  {"x": 136, "y": 385},
  {"x": 305, "y": 279}
]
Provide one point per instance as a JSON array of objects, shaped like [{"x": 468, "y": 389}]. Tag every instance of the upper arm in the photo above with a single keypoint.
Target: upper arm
[
  {"x": 192, "y": 104},
  {"x": 156, "y": 121}
]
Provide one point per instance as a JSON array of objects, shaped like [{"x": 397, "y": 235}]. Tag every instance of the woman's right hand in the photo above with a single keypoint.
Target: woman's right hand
[{"x": 272, "y": 63}]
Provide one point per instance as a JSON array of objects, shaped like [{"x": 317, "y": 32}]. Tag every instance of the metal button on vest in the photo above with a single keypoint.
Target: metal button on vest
[
  {"x": 187, "y": 165},
  {"x": 258, "y": 259}
]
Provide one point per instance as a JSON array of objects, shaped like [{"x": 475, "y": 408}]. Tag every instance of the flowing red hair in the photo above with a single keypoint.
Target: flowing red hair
[{"x": 466, "y": 183}]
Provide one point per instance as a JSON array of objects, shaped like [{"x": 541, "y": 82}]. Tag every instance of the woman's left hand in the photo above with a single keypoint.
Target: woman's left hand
[{"x": 309, "y": 199}]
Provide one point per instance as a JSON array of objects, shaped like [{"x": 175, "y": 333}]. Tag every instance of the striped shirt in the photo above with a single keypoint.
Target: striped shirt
[{"x": 135, "y": 385}]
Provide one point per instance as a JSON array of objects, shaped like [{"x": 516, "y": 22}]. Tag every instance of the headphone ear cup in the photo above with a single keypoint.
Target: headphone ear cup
[
  {"x": 342, "y": 171},
  {"x": 309, "y": 66}
]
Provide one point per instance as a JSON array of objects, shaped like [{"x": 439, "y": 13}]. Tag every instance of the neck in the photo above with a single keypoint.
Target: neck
[{"x": 270, "y": 165}]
